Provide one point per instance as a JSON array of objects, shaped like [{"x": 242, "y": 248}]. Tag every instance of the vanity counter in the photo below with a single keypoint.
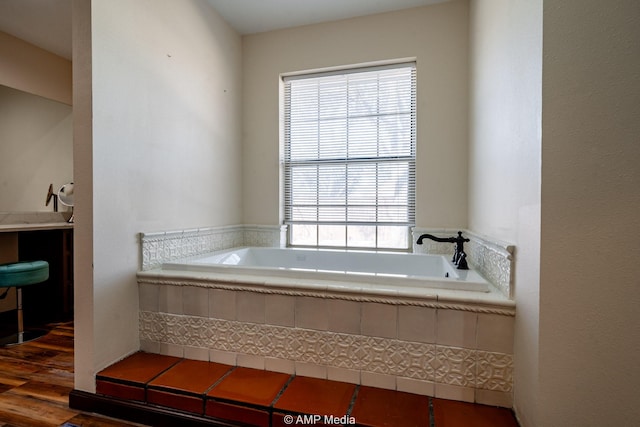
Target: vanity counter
[
  {"x": 6, "y": 228},
  {"x": 32, "y": 221}
]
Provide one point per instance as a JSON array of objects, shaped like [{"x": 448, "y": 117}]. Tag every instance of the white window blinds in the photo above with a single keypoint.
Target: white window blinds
[{"x": 349, "y": 157}]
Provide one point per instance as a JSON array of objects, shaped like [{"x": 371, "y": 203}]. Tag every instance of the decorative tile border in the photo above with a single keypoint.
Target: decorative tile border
[
  {"x": 494, "y": 371},
  {"x": 462, "y": 367},
  {"x": 493, "y": 259},
  {"x": 158, "y": 248},
  {"x": 265, "y": 235}
]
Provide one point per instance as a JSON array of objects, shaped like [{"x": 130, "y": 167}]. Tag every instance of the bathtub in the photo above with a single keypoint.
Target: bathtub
[{"x": 355, "y": 269}]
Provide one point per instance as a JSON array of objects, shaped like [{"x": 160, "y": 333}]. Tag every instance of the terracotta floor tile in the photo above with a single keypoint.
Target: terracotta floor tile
[
  {"x": 245, "y": 395},
  {"x": 251, "y": 386},
  {"x": 139, "y": 368},
  {"x": 450, "y": 413},
  {"x": 121, "y": 391},
  {"x": 376, "y": 407},
  {"x": 316, "y": 396},
  {"x": 184, "y": 385},
  {"x": 246, "y": 415},
  {"x": 190, "y": 376},
  {"x": 173, "y": 400},
  {"x": 127, "y": 378}
]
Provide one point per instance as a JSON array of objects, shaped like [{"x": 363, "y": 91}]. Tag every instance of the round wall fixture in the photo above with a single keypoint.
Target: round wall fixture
[{"x": 65, "y": 196}]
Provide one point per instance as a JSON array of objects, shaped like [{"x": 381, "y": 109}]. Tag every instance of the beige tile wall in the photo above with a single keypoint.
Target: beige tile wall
[{"x": 415, "y": 346}]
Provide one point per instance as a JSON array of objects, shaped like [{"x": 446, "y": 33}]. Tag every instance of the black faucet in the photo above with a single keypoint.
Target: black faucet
[{"x": 459, "y": 256}]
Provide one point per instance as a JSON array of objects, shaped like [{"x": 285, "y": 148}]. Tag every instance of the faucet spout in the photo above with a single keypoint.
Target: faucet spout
[
  {"x": 459, "y": 256},
  {"x": 435, "y": 239}
]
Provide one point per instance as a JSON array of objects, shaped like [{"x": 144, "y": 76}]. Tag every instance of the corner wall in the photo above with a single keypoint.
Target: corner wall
[
  {"x": 157, "y": 147},
  {"x": 505, "y": 163},
  {"x": 589, "y": 288},
  {"x": 436, "y": 35}
]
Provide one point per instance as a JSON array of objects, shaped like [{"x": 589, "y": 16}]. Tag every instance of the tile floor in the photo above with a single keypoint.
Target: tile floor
[{"x": 262, "y": 398}]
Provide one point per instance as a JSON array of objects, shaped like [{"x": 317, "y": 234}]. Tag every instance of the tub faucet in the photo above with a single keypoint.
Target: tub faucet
[{"x": 459, "y": 256}]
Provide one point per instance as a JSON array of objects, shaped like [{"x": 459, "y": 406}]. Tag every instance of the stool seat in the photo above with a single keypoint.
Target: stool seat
[
  {"x": 19, "y": 274},
  {"x": 23, "y": 273}
]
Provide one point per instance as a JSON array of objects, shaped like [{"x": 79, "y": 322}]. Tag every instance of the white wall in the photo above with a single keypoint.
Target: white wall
[
  {"x": 85, "y": 343},
  {"x": 36, "y": 150},
  {"x": 589, "y": 287},
  {"x": 505, "y": 162},
  {"x": 436, "y": 35},
  {"x": 164, "y": 151},
  {"x": 504, "y": 151}
]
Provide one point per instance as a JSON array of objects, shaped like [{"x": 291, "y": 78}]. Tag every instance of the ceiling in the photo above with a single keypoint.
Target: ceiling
[
  {"x": 44, "y": 23},
  {"x": 47, "y": 23},
  {"x": 256, "y": 16}
]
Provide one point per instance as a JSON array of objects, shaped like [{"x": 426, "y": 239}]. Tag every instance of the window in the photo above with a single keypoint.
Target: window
[{"x": 349, "y": 157}]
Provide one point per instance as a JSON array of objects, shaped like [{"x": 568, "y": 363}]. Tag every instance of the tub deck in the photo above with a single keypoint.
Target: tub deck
[{"x": 355, "y": 270}]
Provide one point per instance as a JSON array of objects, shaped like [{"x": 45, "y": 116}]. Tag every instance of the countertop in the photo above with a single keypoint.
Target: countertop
[
  {"x": 33, "y": 221},
  {"x": 6, "y": 228}
]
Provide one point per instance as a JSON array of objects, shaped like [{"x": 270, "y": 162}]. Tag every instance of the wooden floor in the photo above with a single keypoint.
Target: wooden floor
[{"x": 35, "y": 381}]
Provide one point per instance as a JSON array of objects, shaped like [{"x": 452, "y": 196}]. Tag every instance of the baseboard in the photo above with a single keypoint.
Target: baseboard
[{"x": 139, "y": 412}]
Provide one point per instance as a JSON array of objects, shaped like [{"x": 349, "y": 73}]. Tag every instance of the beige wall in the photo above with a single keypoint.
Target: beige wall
[
  {"x": 36, "y": 150},
  {"x": 35, "y": 124},
  {"x": 505, "y": 164},
  {"x": 84, "y": 364},
  {"x": 504, "y": 149},
  {"x": 576, "y": 332},
  {"x": 161, "y": 152},
  {"x": 28, "y": 68},
  {"x": 589, "y": 288},
  {"x": 437, "y": 36}
]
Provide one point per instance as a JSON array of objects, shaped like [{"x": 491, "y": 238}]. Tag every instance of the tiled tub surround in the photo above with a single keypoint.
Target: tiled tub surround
[
  {"x": 492, "y": 258},
  {"x": 450, "y": 344},
  {"x": 441, "y": 348},
  {"x": 162, "y": 247}
]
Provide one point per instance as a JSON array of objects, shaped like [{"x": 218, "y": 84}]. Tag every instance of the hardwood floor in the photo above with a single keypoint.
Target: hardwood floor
[{"x": 35, "y": 381}]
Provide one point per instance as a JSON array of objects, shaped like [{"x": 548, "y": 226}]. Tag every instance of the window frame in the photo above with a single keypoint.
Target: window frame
[{"x": 288, "y": 164}]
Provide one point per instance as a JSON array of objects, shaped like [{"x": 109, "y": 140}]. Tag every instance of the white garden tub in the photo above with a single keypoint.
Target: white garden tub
[{"x": 350, "y": 268}]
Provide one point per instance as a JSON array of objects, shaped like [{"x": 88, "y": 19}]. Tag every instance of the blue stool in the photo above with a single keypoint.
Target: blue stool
[{"x": 17, "y": 275}]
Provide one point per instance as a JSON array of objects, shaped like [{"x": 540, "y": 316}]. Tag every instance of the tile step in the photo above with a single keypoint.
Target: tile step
[{"x": 242, "y": 396}]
